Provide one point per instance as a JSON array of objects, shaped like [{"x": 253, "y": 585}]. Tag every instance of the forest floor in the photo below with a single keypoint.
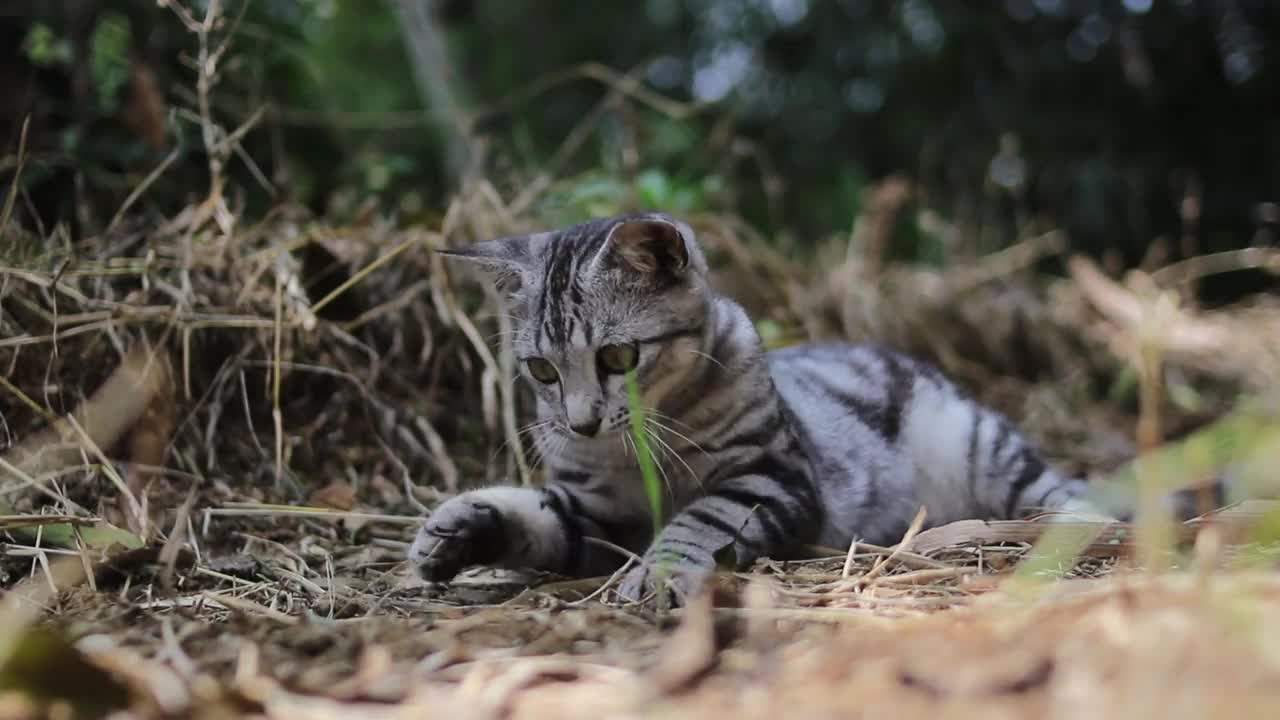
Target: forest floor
[{"x": 215, "y": 526}]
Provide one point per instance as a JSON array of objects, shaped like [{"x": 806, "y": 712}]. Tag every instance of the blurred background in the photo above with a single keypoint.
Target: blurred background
[{"x": 1144, "y": 128}]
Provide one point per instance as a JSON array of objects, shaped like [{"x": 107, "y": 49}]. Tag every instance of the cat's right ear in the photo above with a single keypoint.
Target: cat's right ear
[{"x": 505, "y": 261}]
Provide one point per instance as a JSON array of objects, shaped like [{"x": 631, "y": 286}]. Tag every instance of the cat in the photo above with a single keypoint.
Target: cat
[{"x": 759, "y": 452}]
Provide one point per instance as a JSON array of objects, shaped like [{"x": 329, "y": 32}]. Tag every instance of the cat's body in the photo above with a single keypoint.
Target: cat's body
[{"x": 764, "y": 452}]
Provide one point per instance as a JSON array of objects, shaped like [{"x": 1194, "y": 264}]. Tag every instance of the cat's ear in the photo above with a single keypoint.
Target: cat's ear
[
  {"x": 505, "y": 260},
  {"x": 653, "y": 245}
]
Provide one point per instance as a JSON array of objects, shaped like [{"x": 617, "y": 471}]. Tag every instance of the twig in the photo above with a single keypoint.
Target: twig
[
  {"x": 250, "y": 510},
  {"x": 12, "y": 197},
  {"x": 364, "y": 272},
  {"x": 277, "y": 418},
  {"x": 616, "y": 82},
  {"x": 1183, "y": 271},
  {"x": 143, "y": 186},
  {"x": 848, "y": 558},
  {"x": 168, "y": 557},
  {"x": 248, "y": 606},
  {"x": 135, "y": 508},
  {"x": 918, "y": 522}
]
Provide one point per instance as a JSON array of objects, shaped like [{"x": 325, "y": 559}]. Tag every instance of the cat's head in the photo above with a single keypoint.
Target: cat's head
[{"x": 594, "y": 301}]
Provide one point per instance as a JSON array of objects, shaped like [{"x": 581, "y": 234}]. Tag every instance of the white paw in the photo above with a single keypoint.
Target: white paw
[{"x": 1078, "y": 510}]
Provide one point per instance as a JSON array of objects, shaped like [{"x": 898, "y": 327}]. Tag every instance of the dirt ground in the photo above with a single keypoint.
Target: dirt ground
[{"x": 872, "y": 634}]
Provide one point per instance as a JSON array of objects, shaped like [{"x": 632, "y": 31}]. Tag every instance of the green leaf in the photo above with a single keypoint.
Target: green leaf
[
  {"x": 45, "y": 48},
  {"x": 648, "y": 470},
  {"x": 109, "y": 62},
  {"x": 654, "y": 188},
  {"x": 60, "y": 531},
  {"x": 103, "y": 536}
]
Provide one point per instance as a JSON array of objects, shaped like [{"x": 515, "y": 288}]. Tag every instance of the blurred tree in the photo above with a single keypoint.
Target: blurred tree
[{"x": 1124, "y": 121}]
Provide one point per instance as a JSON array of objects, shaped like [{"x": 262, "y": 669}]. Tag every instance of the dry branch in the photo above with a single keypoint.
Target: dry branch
[
  {"x": 104, "y": 418},
  {"x": 1242, "y": 345}
]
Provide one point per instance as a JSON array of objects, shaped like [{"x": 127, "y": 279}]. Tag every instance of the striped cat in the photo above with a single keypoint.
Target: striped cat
[{"x": 759, "y": 452}]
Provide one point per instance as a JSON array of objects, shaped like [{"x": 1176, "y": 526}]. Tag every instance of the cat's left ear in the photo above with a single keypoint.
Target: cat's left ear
[
  {"x": 655, "y": 244},
  {"x": 505, "y": 260}
]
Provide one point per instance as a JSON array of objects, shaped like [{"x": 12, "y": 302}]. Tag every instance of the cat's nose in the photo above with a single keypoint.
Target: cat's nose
[{"x": 589, "y": 428}]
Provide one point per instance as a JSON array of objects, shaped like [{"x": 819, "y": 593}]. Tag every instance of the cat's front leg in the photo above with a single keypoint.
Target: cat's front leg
[
  {"x": 744, "y": 518},
  {"x": 504, "y": 526},
  {"x": 527, "y": 528}
]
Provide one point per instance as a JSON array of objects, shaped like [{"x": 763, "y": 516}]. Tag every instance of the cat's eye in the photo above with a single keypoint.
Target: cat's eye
[
  {"x": 542, "y": 370},
  {"x": 618, "y": 358}
]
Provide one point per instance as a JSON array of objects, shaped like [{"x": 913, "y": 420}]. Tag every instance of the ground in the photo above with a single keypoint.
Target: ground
[{"x": 872, "y": 634}]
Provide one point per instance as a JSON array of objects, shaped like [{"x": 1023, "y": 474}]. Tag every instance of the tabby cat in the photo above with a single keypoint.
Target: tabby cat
[{"x": 759, "y": 452}]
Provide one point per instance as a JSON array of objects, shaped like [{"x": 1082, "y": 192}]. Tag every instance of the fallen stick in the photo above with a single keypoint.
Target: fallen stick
[{"x": 103, "y": 419}]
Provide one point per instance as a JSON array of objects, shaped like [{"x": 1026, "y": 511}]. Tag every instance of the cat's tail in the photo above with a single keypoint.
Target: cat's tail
[{"x": 1077, "y": 498}]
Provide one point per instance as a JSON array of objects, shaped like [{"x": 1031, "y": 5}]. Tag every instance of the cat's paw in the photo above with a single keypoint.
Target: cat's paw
[
  {"x": 460, "y": 533},
  {"x": 671, "y": 583},
  {"x": 1079, "y": 510}
]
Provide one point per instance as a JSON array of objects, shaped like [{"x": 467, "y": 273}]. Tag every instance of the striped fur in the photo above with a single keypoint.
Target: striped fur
[{"x": 759, "y": 452}]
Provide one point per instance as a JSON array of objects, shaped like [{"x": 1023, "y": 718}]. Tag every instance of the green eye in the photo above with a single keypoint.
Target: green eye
[
  {"x": 618, "y": 359},
  {"x": 542, "y": 370}
]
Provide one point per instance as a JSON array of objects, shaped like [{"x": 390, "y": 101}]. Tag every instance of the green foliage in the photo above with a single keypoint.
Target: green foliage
[
  {"x": 109, "y": 59},
  {"x": 601, "y": 192},
  {"x": 660, "y": 191},
  {"x": 97, "y": 536},
  {"x": 44, "y": 47}
]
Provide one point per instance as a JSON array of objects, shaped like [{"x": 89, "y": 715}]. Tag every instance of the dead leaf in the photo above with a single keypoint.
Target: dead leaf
[
  {"x": 337, "y": 495},
  {"x": 145, "y": 109}
]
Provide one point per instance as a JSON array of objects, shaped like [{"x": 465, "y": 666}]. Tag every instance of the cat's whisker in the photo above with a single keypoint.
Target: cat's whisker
[
  {"x": 554, "y": 454},
  {"x": 680, "y": 435},
  {"x": 627, "y": 443},
  {"x": 534, "y": 427},
  {"x": 540, "y": 457},
  {"x": 662, "y": 470},
  {"x": 520, "y": 433},
  {"x": 668, "y": 450},
  {"x": 551, "y": 455},
  {"x": 699, "y": 353},
  {"x": 668, "y": 418}
]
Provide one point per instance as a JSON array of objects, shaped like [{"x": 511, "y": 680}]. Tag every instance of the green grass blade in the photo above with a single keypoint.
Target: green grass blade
[{"x": 648, "y": 470}]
